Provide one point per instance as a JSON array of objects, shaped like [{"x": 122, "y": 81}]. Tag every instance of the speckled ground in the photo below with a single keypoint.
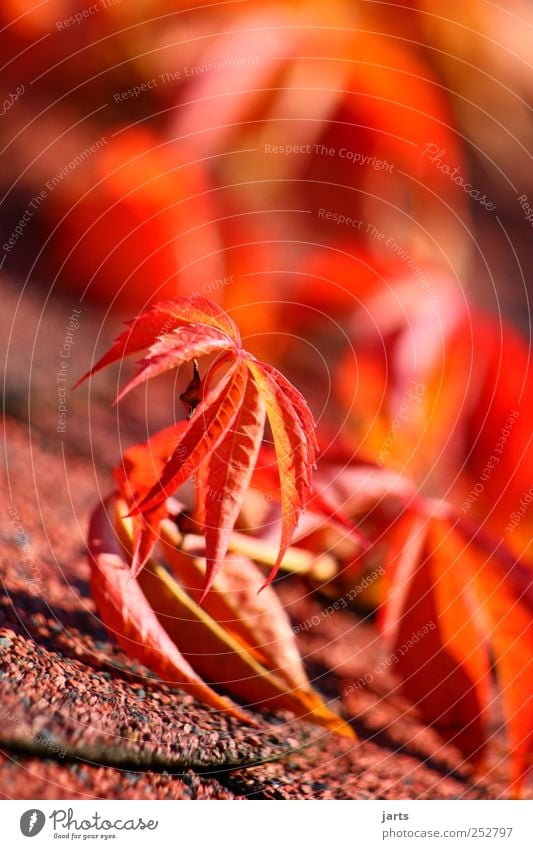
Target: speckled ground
[{"x": 78, "y": 719}]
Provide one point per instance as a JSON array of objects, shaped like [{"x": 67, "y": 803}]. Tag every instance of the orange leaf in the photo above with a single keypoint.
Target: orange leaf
[
  {"x": 173, "y": 349},
  {"x": 299, "y": 406},
  {"x": 202, "y": 436},
  {"x": 503, "y": 589},
  {"x": 227, "y": 477},
  {"x": 258, "y": 620},
  {"x": 139, "y": 470},
  {"x": 127, "y": 614},
  {"x": 480, "y": 603},
  {"x": 161, "y": 319},
  {"x": 430, "y": 621},
  {"x": 243, "y": 396},
  {"x": 253, "y": 660},
  {"x": 293, "y": 453}
]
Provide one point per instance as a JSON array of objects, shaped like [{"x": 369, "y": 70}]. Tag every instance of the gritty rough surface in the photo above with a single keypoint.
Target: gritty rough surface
[
  {"x": 29, "y": 777},
  {"x": 79, "y": 719}
]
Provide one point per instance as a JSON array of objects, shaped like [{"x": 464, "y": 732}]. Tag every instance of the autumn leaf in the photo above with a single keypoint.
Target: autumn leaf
[
  {"x": 323, "y": 501},
  {"x": 220, "y": 443},
  {"x": 268, "y": 659},
  {"x": 127, "y": 615},
  {"x": 138, "y": 471},
  {"x": 171, "y": 350},
  {"x": 227, "y": 476},
  {"x": 502, "y": 585},
  {"x": 452, "y": 605},
  {"x": 201, "y": 437},
  {"x": 147, "y": 329},
  {"x": 240, "y": 641}
]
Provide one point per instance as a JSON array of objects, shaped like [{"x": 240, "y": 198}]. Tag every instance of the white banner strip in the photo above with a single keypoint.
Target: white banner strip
[{"x": 310, "y": 824}]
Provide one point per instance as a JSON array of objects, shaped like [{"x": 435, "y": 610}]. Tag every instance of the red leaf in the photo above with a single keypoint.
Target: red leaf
[
  {"x": 300, "y": 407},
  {"x": 504, "y": 591},
  {"x": 259, "y": 620},
  {"x": 139, "y": 470},
  {"x": 186, "y": 329},
  {"x": 480, "y": 603},
  {"x": 173, "y": 349},
  {"x": 240, "y": 640},
  {"x": 156, "y": 620},
  {"x": 227, "y": 477},
  {"x": 293, "y": 454},
  {"x": 322, "y": 499}
]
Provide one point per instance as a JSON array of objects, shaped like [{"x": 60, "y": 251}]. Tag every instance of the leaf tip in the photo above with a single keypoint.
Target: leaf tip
[{"x": 270, "y": 577}]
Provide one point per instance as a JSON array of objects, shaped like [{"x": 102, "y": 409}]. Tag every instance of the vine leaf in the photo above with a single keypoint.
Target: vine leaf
[
  {"x": 240, "y": 641},
  {"x": 455, "y": 605},
  {"x": 128, "y": 616},
  {"x": 219, "y": 444}
]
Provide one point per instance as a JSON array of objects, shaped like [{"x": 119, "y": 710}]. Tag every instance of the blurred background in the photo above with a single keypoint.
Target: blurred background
[{"x": 352, "y": 180}]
